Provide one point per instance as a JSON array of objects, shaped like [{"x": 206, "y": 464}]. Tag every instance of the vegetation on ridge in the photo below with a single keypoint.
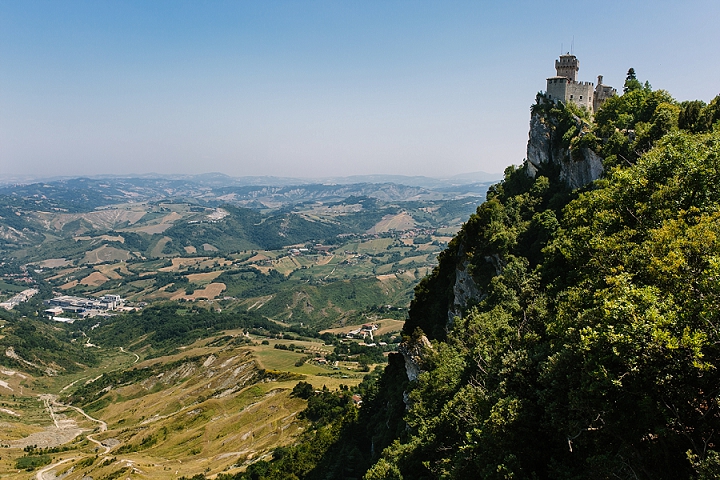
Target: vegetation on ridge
[{"x": 594, "y": 353}]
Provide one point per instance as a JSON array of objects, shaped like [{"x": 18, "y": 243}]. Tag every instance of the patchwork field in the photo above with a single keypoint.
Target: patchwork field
[
  {"x": 210, "y": 292},
  {"x": 102, "y": 220},
  {"x": 157, "y": 250},
  {"x": 203, "y": 278},
  {"x": 54, "y": 263},
  {"x": 399, "y": 222},
  {"x": 391, "y": 266},
  {"x": 106, "y": 253}
]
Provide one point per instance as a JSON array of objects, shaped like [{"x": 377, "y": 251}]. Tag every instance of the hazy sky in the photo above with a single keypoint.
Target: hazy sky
[{"x": 316, "y": 88}]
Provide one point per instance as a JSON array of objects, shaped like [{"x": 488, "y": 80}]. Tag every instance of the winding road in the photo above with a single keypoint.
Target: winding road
[
  {"x": 103, "y": 426},
  {"x": 40, "y": 475},
  {"x": 51, "y": 404},
  {"x": 137, "y": 357}
]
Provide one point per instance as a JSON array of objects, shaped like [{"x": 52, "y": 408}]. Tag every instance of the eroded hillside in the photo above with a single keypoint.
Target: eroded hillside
[{"x": 217, "y": 405}]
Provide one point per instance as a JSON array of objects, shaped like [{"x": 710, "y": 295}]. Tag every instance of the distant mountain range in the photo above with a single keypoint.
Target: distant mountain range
[
  {"x": 84, "y": 194},
  {"x": 216, "y": 179},
  {"x": 278, "y": 211}
]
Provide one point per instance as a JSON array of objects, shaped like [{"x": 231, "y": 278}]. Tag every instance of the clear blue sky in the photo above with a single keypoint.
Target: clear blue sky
[{"x": 316, "y": 88}]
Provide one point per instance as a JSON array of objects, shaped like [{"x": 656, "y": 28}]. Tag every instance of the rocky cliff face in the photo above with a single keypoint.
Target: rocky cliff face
[
  {"x": 412, "y": 352},
  {"x": 472, "y": 258},
  {"x": 577, "y": 168}
]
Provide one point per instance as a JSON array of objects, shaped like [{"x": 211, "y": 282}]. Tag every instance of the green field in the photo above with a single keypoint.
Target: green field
[{"x": 10, "y": 288}]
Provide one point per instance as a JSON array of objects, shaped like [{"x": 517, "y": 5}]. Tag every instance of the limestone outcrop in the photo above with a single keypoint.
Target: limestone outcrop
[
  {"x": 577, "y": 167},
  {"x": 465, "y": 291},
  {"x": 412, "y": 351},
  {"x": 549, "y": 154}
]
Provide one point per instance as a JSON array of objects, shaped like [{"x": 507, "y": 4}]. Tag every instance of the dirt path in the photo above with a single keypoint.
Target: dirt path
[
  {"x": 48, "y": 400},
  {"x": 71, "y": 384},
  {"x": 137, "y": 357},
  {"x": 62, "y": 431},
  {"x": 52, "y": 404},
  {"x": 103, "y": 425},
  {"x": 40, "y": 475}
]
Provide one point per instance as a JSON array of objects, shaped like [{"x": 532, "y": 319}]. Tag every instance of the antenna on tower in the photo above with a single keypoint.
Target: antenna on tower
[{"x": 572, "y": 46}]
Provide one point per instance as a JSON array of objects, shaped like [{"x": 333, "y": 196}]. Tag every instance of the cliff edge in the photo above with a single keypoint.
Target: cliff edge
[{"x": 577, "y": 166}]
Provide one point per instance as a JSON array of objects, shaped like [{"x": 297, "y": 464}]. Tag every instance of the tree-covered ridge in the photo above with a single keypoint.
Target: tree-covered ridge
[{"x": 594, "y": 354}]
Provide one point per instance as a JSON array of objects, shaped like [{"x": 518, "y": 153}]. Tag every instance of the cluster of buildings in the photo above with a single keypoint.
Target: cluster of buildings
[
  {"x": 84, "y": 307},
  {"x": 319, "y": 248},
  {"x": 214, "y": 217},
  {"x": 416, "y": 232},
  {"x": 16, "y": 300},
  {"x": 22, "y": 276},
  {"x": 362, "y": 332}
]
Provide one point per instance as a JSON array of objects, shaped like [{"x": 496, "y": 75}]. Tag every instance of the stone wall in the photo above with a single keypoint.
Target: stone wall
[
  {"x": 568, "y": 66},
  {"x": 602, "y": 93},
  {"x": 563, "y": 90},
  {"x": 556, "y": 87},
  {"x": 580, "y": 93}
]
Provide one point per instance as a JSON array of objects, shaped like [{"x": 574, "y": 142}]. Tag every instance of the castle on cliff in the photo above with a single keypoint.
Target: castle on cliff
[{"x": 564, "y": 86}]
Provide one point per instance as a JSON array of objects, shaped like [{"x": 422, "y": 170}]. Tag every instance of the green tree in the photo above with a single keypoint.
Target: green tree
[
  {"x": 709, "y": 116},
  {"x": 631, "y": 82},
  {"x": 690, "y": 115},
  {"x": 303, "y": 390}
]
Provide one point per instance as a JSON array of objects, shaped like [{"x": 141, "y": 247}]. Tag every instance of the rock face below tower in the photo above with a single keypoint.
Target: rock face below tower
[{"x": 577, "y": 168}]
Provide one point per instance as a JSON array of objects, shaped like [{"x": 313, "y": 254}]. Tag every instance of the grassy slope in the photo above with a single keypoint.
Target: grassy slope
[{"x": 208, "y": 408}]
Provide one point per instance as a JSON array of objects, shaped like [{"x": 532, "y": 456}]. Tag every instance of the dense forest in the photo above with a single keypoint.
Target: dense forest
[{"x": 590, "y": 347}]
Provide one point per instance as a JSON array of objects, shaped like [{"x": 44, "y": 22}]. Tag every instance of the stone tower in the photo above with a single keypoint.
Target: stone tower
[
  {"x": 602, "y": 93},
  {"x": 568, "y": 67},
  {"x": 565, "y": 87}
]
